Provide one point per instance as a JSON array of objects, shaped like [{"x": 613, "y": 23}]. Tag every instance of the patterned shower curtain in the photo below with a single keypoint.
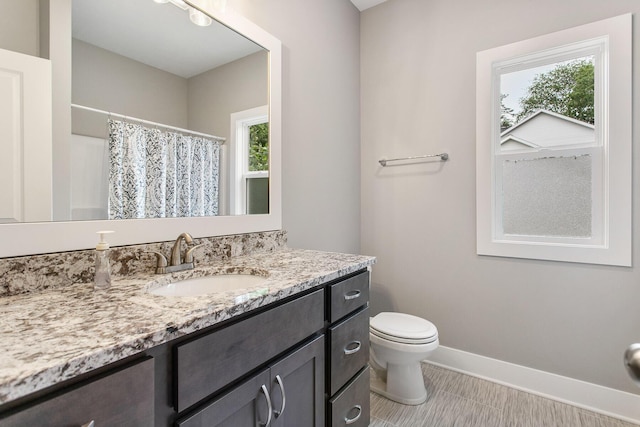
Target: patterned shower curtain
[{"x": 159, "y": 174}]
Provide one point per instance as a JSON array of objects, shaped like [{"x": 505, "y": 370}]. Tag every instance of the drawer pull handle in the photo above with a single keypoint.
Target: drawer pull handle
[
  {"x": 284, "y": 397},
  {"x": 348, "y": 420},
  {"x": 269, "y": 407},
  {"x": 351, "y": 295},
  {"x": 357, "y": 345},
  {"x": 91, "y": 423}
]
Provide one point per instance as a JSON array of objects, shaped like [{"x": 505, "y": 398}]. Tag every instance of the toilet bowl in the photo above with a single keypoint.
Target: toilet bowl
[{"x": 399, "y": 342}]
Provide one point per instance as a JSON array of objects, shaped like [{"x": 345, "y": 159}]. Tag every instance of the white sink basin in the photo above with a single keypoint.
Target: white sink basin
[{"x": 208, "y": 285}]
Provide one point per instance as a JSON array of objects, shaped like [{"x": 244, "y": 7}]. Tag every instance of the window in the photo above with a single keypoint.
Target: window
[
  {"x": 250, "y": 162},
  {"x": 554, "y": 146}
]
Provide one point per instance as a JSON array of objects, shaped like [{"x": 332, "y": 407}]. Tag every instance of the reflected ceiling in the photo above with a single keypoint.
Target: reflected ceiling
[{"x": 159, "y": 35}]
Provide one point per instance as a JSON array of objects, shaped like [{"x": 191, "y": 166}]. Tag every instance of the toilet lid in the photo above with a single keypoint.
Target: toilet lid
[{"x": 403, "y": 327}]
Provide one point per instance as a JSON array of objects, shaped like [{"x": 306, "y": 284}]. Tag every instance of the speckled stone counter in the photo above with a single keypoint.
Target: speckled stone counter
[{"x": 56, "y": 334}]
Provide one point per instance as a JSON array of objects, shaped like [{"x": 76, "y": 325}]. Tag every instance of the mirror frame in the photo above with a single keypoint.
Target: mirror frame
[{"x": 49, "y": 237}]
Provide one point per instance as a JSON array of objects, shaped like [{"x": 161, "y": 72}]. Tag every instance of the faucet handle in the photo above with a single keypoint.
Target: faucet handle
[
  {"x": 161, "y": 262},
  {"x": 188, "y": 256}
]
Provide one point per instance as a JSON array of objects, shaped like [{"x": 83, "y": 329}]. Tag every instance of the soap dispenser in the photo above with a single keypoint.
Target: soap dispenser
[{"x": 102, "y": 278}]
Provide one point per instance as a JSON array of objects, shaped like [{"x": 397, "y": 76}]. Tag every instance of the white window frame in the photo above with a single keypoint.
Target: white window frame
[
  {"x": 610, "y": 42},
  {"x": 239, "y": 156}
]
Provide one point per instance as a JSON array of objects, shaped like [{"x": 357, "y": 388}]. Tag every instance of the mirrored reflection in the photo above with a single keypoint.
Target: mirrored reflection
[
  {"x": 164, "y": 71},
  {"x": 173, "y": 92}
]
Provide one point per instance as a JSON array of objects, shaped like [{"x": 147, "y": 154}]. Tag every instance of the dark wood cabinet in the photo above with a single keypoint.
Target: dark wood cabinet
[
  {"x": 351, "y": 406},
  {"x": 348, "y": 295},
  {"x": 122, "y": 397},
  {"x": 349, "y": 349},
  {"x": 245, "y": 405},
  {"x": 297, "y": 385},
  {"x": 348, "y": 352},
  {"x": 289, "y": 393},
  {"x": 208, "y": 363},
  {"x": 300, "y": 362}
]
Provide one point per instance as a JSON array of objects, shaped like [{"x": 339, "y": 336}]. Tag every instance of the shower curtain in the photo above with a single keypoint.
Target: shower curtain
[{"x": 159, "y": 174}]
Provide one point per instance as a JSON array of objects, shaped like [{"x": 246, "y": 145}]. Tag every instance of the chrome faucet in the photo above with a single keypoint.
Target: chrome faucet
[
  {"x": 176, "y": 257},
  {"x": 178, "y": 263}
]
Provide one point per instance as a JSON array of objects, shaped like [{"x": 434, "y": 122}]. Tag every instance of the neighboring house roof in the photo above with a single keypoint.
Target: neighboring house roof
[{"x": 546, "y": 129}]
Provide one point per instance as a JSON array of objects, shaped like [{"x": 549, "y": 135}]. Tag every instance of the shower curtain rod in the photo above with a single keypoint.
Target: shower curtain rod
[{"x": 220, "y": 139}]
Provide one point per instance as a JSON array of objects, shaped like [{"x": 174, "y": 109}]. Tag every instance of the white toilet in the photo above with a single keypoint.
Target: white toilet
[{"x": 398, "y": 343}]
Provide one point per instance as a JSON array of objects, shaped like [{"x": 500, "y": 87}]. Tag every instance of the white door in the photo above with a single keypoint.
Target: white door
[{"x": 25, "y": 138}]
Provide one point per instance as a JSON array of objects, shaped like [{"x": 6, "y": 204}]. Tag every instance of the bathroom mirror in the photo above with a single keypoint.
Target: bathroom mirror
[{"x": 204, "y": 113}]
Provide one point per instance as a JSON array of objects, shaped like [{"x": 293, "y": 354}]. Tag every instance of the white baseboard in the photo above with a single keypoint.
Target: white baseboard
[{"x": 593, "y": 397}]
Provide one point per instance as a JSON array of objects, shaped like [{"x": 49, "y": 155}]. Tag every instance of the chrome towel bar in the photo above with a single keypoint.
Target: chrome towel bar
[{"x": 443, "y": 156}]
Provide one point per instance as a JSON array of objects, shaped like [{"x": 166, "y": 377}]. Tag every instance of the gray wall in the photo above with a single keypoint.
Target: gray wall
[
  {"x": 418, "y": 97},
  {"x": 216, "y": 94},
  {"x": 321, "y": 115},
  {"x": 19, "y": 26},
  {"x": 111, "y": 82}
]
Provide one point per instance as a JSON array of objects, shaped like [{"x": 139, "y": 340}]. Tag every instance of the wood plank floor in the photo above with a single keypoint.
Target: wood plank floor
[{"x": 460, "y": 400}]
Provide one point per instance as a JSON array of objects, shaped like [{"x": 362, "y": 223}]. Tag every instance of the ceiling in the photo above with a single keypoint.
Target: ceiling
[
  {"x": 159, "y": 35},
  {"x": 366, "y": 4},
  {"x": 186, "y": 50}
]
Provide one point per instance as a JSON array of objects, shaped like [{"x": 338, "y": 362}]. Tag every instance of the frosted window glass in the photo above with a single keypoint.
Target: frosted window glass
[{"x": 548, "y": 196}]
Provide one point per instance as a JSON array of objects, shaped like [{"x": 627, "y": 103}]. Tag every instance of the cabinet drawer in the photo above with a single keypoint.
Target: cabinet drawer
[
  {"x": 349, "y": 348},
  {"x": 121, "y": 398},
  {"x": 206, "y": 364},
  {"x": 348, "y": 295},
  {"x": 351, "y": 406}
]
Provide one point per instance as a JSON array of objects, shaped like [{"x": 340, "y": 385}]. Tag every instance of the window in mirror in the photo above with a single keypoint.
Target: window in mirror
[
  {"x": 250, "y": 152},
  {"x": 553, "y": 149},
  {"x": 257, "y": 175},
  {"x": 247, "y": 74}
]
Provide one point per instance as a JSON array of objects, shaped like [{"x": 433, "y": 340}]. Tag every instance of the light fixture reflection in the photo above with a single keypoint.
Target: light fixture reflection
[
  {"x": 195, "y": 15},
  {"x": 199, "y": 18},
  {"x": 178, "y": 3}
]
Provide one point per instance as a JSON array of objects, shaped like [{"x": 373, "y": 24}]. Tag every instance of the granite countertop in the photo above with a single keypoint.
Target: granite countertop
[{"x": 54, "y": 335}]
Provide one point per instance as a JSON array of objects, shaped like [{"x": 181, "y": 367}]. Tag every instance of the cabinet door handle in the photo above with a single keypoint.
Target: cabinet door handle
[
  {"x": 348, "y": 420},
  {"x": 91, "y": 423},
  {"x": 284, "y": 397},
  {"x": 357, "y": 345},
  {"x": 351, "y": 295},
  {"x": 269, "y": 407}
]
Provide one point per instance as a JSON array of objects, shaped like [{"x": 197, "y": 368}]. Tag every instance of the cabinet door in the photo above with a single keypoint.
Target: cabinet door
[
  {"x": 121, "y": 398},
  {"x": 297, "y": 387},
  {"x": 244, "y": 406},
  {"x": 208, "y": 363}
]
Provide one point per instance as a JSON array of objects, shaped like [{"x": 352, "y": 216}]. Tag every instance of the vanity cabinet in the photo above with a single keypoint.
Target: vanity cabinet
[
  {"x": 348, "y": 352},
  {"x": 290, "y": 392},
  {"x": 122, "y": 397},
  {"x": 299, "y": 362},
  {"x": 206, "y": 364}
]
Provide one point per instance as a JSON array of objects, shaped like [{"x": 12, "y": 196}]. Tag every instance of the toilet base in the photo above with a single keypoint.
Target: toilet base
[{"x": 404, "y": 384}]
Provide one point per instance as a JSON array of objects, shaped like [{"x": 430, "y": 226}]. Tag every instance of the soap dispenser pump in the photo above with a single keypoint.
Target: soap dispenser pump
[{"x": 102, "y": 278}]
